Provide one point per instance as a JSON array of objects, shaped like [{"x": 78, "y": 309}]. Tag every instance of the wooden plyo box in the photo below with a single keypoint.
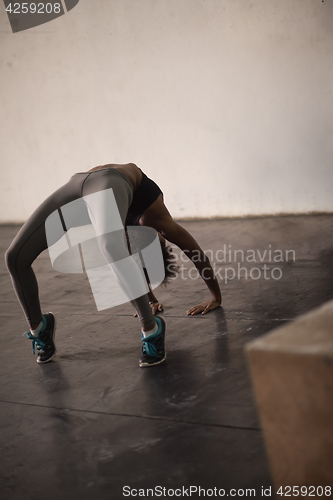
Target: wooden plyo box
[{"x": 292, "y": 374}]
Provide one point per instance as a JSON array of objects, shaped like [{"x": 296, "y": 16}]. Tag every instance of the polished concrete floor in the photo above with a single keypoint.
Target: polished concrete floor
[{"x": 91, "y": 422}]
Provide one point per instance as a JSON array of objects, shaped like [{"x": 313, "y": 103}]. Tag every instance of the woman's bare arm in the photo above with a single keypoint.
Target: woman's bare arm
[{"x": 158, "y": 217}]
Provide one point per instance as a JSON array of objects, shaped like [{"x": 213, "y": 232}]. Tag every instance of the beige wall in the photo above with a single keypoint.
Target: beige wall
[{"x": 227, "y": 104}]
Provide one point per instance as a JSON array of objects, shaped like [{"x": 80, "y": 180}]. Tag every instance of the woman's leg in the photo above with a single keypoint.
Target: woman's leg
[
  {"x": 28, "y": 244},
  {"x": 25, "y": 248},
  {"x": 107, "y": 212},
  {"x": 112, "y": 242}
]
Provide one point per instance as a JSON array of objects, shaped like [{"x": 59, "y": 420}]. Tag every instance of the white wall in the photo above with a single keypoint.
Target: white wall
[{"x": 227, "y": 104}]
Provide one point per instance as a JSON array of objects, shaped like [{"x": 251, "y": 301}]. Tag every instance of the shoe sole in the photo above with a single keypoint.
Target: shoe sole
[
  {"x": 53, "y": 334},
  {"x": 146, "y": 365}
]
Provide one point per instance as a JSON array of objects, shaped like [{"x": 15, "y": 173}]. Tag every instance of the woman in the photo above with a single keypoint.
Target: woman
[{"x": 139, "y": 201}]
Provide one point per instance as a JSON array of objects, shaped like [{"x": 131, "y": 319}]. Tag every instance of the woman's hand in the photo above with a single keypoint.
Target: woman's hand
[
  {"x": 156, "y": 307},
  {"x": 204, "y": 307}
]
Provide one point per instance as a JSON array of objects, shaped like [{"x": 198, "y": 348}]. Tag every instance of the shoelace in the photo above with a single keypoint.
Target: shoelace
[
  {"x": 36, "y": 342},
  {"x": 149, "y": 348}
]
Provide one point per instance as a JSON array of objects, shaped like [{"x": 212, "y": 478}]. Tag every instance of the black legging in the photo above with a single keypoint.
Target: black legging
[{"x": 31, "y": 239}]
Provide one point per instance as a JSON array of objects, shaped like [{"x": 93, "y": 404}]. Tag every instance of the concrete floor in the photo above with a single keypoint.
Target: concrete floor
[{"x": 91, "y": 421}]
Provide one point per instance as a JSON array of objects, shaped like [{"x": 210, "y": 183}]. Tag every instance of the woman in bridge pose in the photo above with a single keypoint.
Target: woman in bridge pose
[{"x": 139, "y": 201}]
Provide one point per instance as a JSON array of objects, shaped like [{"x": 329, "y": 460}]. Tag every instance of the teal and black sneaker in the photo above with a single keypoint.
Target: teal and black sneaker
[
  {"x": 45, "y": 340},
  {"x": 153, "y": 346}
]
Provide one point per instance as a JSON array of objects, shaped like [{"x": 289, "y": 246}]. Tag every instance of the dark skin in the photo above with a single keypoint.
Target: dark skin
[{"x": 158, "y": 217}]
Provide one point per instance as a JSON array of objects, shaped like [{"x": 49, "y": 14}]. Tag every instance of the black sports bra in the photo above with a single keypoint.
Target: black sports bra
[{"x": 145, "y": 195}]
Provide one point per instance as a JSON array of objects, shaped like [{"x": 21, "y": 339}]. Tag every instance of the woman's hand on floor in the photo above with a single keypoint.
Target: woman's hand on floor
[
  {"x": 204, "y": 307},
  {"x": 156, "y": 307}
]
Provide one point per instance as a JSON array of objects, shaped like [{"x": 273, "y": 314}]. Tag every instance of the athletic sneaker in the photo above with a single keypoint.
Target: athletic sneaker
[
  {"x": 153, "y": 346},
  {"x": 45, "y": 340}
]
